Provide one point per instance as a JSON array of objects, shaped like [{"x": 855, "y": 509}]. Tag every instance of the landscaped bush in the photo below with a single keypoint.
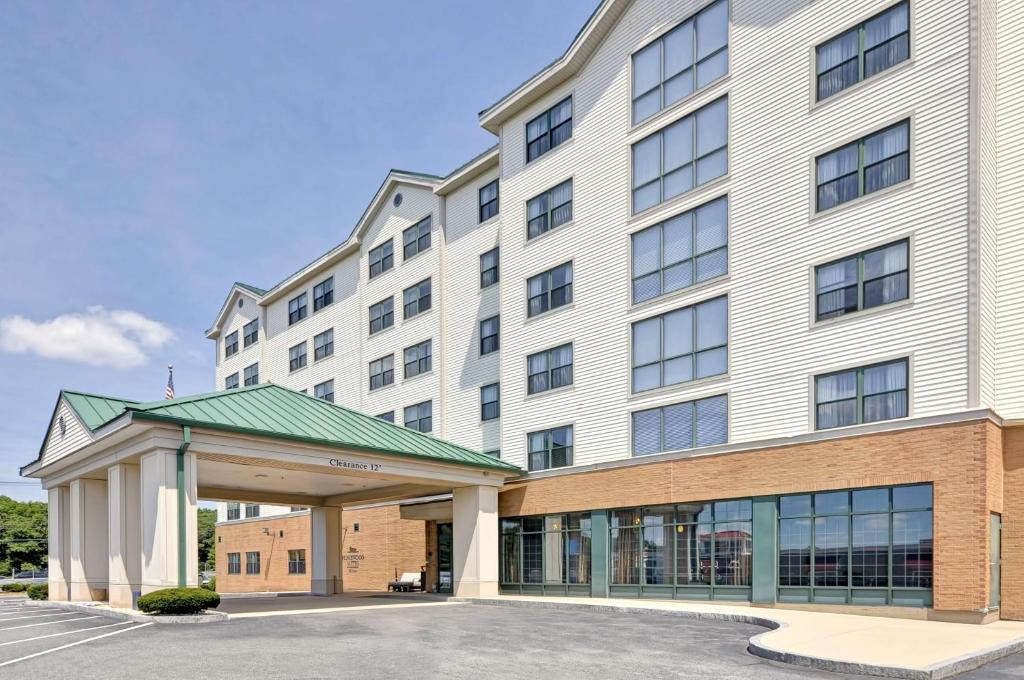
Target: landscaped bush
[
  {"x": 212, "y": 585},
  {"x": 13, "y": 587},
  {"x": 179, "y": 601},
  {"x": 39, "y": 591}
]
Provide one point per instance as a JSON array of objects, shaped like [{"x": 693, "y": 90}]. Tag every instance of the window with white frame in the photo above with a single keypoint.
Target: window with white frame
[
  {"x": 230, "y": 344},
  {"x": 549, "y": 129},
  {"x": 251, "y": 333},
  {"x": 251, "y": 375},
  {"x": 549, "y": 449},
  {"x": 297, "y": 309},
  {"x": 549, "y": 210},
  {"x": 297, "y": 357},
  {"x": 416, "y": 238},
  {"x": 416, "y": 299},
  {"x": 324, "y": 390},
  {"x": 688, "y": 425},
  {"x": 252, "y": 510},
  {"x": 866, "y": 280},
  {"x": 252, "y": 563},
  {"x": 490, "y": 335},
  {"x": 490, "y": 402},
  {"x": 682, "y": 345},
  {"x": 323, "y": 294},
  {"x": 869, "y": 48},
  {"x": 382, "y": 315},
  {"x": 323, "y": 344},
  {"x": 488, "y": 200},
  {"x": 418, "y": 359},
  {"x": 296, "y": 561},
  {"x": 382, "y": 258},
  {"x": 549, "y": 290},
  {"x": 870, "y": 164},
  {"x": 861, "y": 395},
  {"x": 234, "y": 510},
  {"x": 489, "y": 268},
  {"x": 419, "y": 416},
  {"x": 382, "y": 372},
  {"x": 549, "y": 369}
]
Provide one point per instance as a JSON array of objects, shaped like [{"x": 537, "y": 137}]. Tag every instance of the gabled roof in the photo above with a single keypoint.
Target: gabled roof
[
  {"x": 236, "y": 287},
  {"x": 275, "y": 412}
]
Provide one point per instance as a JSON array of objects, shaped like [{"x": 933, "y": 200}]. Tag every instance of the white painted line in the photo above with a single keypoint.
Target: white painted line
[
  {"x": 67, "y": 632},
  {"x": 37, "y": 616},
  {"x": 47, "y": 623},
  {"x": 74, "y": 644}
]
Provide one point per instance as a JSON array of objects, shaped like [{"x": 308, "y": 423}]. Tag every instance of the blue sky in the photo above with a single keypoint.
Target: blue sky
[{"x": 152, "y": 153}]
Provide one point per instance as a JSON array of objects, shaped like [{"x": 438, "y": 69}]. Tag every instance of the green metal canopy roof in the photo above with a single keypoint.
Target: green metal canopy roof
[{"x": 273, "y": 411}]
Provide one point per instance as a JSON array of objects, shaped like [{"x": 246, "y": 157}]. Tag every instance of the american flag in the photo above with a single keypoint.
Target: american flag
[{"x": 169, "y": 394}]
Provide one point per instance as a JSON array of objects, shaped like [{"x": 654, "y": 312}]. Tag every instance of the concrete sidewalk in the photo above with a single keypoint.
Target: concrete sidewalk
[{"x": 846, "y": 643}]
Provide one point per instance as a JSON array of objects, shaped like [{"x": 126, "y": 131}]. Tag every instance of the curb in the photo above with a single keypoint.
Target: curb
[
  {"x": 758, "y": 647},
  {"x": 123, "y": 615}
]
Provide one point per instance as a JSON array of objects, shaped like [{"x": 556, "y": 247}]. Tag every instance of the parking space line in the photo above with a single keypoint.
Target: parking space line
[
  {"x": 35, "y": 616},
  {"x": 66, "y": 632},
  {"x": 74, "y": 644},
  {"x": 48, "y": 623}
]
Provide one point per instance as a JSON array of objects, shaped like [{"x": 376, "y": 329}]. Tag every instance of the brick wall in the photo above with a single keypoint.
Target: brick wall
[
  {"x": 1012, "y": 605},
  {"x": 242, "y": 537},
  {"x": 384, "y": 546}
]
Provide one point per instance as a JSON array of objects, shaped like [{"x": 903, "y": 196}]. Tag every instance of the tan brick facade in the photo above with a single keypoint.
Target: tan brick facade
[
  {"x": 1012, "y": 605},
  {"x": 384, "y": 546},
  {"x": 272, "y": 537}
]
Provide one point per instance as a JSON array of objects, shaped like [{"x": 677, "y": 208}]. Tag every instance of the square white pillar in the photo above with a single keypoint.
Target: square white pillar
[
  {"x": 325, "y": 529},
  {"x": 59, "y": 542},
  {"x": 88, "y": 540},
  {"x": 124, "y": 549},
  {"x": 161, "y": 531},
  {"x": 475, "y": 541}
]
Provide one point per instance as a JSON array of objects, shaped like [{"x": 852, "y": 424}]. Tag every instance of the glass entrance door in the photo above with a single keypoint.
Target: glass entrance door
[{"x": 444, "y": 557}]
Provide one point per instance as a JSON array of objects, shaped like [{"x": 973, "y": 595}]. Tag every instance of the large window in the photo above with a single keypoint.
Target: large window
[
  {"x": 704, "y": 422},
  {"x": 490, "y": 402},
  {"x": 858, "y": 547},
  {"x": 323, "y": 294},
  {"x": 546, "y": 552},
  {"x": 549, "y": 129},
  {"x": 296, "y": 561},
  {"x": 549, "y": 289},
  {"x": 861, "y": 395},
  {"x": 382, "y": 372},
  {"x": 688, "y": 153},
  {"x": 489, "y": 268},
  {"x": 251, "y": 375},
  {"x": 297, "y": 309},
  {"x": 231, "y": 381},
  {"x": 297, "y": 357},
  {"x": 681, "y": 251},
  {"x": 869, "y": 279},
  {"x": 879, "y": 43},
  {"x": 420, "y": 416},
  {"x": 488, "y": 201},
  {"x": 230, "y": 344},
  {"x": 234, "y": 563},
  {"x": 549, "y": 448},
  {"x": 490, "y": 335},
  {"x": 251, "y": 333},
  {"x": 549, "y": 369},
  {"x": 551, "y": 209},
  {"x": 682, "y": 61},
  {"x": 382, "y": 258},
  {"x": 323, "y": 344},
  {"x": 875, "y": 162},
  {"x": 682, "y": 345},
  {"x": 382, "y": 315},
  {"x": 324, "y": 390},
  {"x": 416, "y": 299},
  {"x": 416, "y": 238},
  {"x": 252, "y": 563},
  {"x": 694, "y": 547},
  {"x": 418, "y": 359},
  {"x": 234, "y": 510}
]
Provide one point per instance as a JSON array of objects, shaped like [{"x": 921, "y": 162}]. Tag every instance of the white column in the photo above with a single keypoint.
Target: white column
[
  {"x": 475, "y": 541},
  {"x": 159, "y": 521},
  {"x": 88, "y": 540},
  {"x": 325, "y": 527},
  {"x": 124, "y": 550},
  {"x": 58, "y": 542}
]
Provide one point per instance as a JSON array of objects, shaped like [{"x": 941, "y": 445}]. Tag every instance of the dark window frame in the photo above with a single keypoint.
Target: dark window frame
[
  {"x": 550, "y": 138},
  {"x": 382, "y": 372},
  {"x": 301, "y": 308},
  {"x": 234, "y": 563},
  {"x": 327, "y": 395},
  {"x": 251, "y": 333},
  {"x": 695, "y": 427},
  {"x": 420, "y": 241},
  {"x": 490, "y": 275},
  {"x": 549, "y": 447},
  {"x": 252, "y": 563},
  {"x": 899, "y": 41},
  {"x": 297, "y": 357},
  {"x": 323, "y": 294},
  {"x": 860, "y": 395},
  {"x": 419, "y": 417},
  {"x": 323, "y": 345},
  {"x": 490, "y": 207},
  {"x": 695, "y": 348},
  {"x": 415, "y": 301},
  {"x": 231, "y": 344},
  {"x": 387, "y": 417},
  {"x": 234, "y": 510},
  {"x": 231, "y": 381},
  {"x": 899, "y": 160},
  {"x": 251, "y": 375},
  {"x": 490, "y": 343},
  {"x": 550, "y": 293},
  {"x": 551, "y": 373},
  {"x": 545, "y": 219},
  {"x": 385, "y": 315},
  {"x": 422, "y": 360},
  {"x": 382, "y": 258},
  {"x": 297, "y": 561},
  {"x": 490, "y": 409},
  {"x": 862, "y": 282}
]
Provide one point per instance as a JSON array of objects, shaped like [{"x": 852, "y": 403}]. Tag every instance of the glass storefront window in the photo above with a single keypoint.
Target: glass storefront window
[{"x": 546, "y": 550}]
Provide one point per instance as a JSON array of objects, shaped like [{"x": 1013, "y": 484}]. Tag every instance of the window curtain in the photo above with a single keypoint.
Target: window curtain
[
  {"x": 836, "y": 52},
  {"x": 837, "y": 164},
  {"x": 886, "y": 26},
  {"x": 885, "y": 144},
  {"x": 837, "y": 387}
]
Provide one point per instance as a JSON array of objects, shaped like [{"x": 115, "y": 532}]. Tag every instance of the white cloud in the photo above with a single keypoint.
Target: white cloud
[{"x": 117, "y": 338}]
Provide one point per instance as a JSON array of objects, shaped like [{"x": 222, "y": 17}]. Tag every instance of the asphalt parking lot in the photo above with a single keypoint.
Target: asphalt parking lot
[{"x": 457, "y": 641}]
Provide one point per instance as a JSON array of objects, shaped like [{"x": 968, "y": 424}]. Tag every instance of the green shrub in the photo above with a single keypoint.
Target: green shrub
[
  {"x": 179, "y": 601},
  {"x": 39, "y": 591},
  {"x": 212, "y": 585},
  {"x": 13, "y": 587}
]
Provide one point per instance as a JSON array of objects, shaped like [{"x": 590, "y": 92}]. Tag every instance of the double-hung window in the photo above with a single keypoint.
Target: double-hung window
[
  {"x": 488, "y": 201},
  {"x": 251, "y": 333},
  {"x": 686, "y": 154},
  {"x": 682, "y": 61},
  {"x": 234, "y": 510},
  {"x": 416, "y": 238},
  {"x": 551, "y": 209},
  {"x": 324, "y": 390},
  {"x": 549, "y": 290},
  {"x": 235, "y": 562},
  {"x": 418, "y": 359},
  {"x": 682, "y": 345},
  {"x": 323, "y": 344},
  {"x": 231, "y": 381},
  {"x": 230, "y": 344},
  {"x": 389, "y": 416},
  {"x": 416, "y": 299},
  {"x": 418, "y": 417},
  {"x": 489, "y": 268},
  {"x": 382, "y": 258},
  {"x": 297, "y": 357},
  {"x": 323, "y": 294},
  {"x": 549, "y": 369},
  {"x": 682, "y": 251},
  {"x": 869, "y": 279},
  {"x": 549, "y": 448},
  {"x": 703, "y": 422},
  {"x": 875, "y": 162},
  {"x": 382, "y": 372},
  {"x": 251, "y": 375},
  {"x": 382, "y": 315},
  {"x": 490, "y": 402},
  {"x": 252, "y": 563},
  {"x": 861, "y": 395},
  {"x": 549, "y": 129},
  {"x": 879, "y": 43},
  {"x": 296, "y": 561},
  {"x": 297, "y": 309},
  {"x": 252, "y": 510},
  {"x": 490, "y": 335}
]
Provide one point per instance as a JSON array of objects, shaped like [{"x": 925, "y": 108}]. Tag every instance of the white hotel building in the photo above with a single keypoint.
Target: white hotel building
[{"x": 739, "y": 286}]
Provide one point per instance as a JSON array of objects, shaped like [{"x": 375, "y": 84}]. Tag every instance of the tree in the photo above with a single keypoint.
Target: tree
[
  {"x": 23, "y": 527},
  {"x": 207, "y": 538}
]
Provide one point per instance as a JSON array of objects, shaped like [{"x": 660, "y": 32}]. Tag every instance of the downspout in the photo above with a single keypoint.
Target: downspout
[{"x": 186, "y": 436}]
